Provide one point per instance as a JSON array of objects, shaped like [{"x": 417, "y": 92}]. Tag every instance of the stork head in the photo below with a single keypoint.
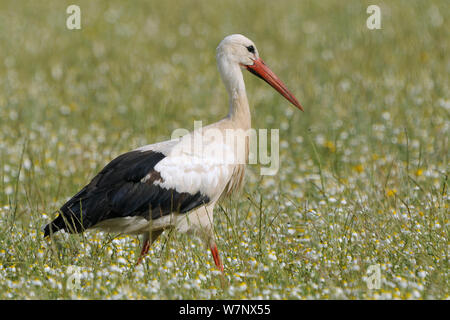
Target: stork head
[{"x": 242, "y": 51}]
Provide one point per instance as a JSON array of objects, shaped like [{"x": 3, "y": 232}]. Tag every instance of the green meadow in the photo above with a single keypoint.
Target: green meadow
[{"x": 363, "y": 178}]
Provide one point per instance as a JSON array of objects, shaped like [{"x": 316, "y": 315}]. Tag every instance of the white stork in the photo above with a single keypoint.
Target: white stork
[{"x": 172, "y": 184}]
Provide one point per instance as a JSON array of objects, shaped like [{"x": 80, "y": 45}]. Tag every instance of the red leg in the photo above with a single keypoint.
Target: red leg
[
  {"x": 216, "y": 257},
  {"x": 219, "y": 264},
  {"x": 149, "y": 238},
  {"x": 144, "y": 251}
]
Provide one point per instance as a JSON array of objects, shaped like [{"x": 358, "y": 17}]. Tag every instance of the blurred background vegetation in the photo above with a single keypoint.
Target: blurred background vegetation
[{"x": 369, "y": 155}]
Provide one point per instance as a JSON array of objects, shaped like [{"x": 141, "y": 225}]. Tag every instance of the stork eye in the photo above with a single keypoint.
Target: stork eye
[{"x": 251, "y": 49}]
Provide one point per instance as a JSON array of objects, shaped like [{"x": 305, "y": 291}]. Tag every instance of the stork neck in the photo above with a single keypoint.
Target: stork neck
[
  {"x": 233, "y": 79},
  {"x": 239, "y": 109}
]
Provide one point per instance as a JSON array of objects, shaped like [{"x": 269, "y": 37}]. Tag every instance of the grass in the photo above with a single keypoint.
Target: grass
[{"x": 364, "y": 170}]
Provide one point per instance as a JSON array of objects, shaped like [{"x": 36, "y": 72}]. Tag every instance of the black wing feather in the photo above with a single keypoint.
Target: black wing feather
[{"x": 117, "y": 191}]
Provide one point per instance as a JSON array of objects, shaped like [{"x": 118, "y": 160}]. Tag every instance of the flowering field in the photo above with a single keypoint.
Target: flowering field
[{"x": 363, "y": 179}]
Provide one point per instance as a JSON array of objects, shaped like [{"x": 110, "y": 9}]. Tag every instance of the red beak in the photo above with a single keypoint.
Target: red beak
[{"x": 262, "y": 71}]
